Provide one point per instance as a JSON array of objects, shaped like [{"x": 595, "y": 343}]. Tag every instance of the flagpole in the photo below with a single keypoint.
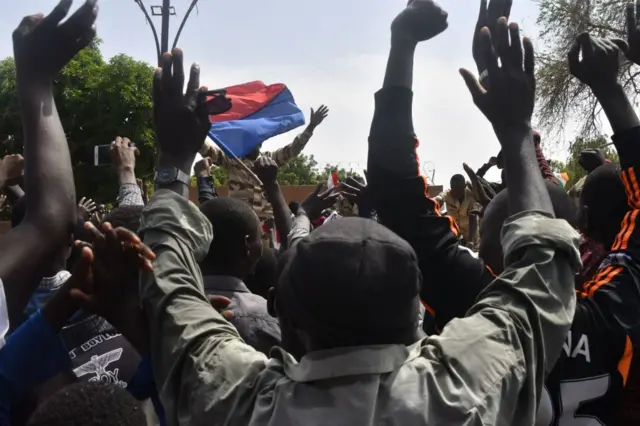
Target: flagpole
[{"x": 247, "y": 169}]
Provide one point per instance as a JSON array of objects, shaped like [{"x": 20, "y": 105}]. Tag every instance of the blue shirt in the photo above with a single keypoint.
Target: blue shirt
[{"x": 22, "y": 364}]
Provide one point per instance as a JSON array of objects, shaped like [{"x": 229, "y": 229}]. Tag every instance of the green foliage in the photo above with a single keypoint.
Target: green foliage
[
  {"x": 561, "y": 98},
  {"x": 301, "y": 170},
  {"x": 96, "y": 101},
  {"x": 570, "y": 164},
  {"x": 220, "y": 176}
]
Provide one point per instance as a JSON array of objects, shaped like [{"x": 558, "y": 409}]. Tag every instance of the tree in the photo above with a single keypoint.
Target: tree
[
  {"x": 570, "y": 164},
  {"x": 96, "y": 101},
  {"x": 300, "y": 170},
  {"x": 561, "y": 98}
]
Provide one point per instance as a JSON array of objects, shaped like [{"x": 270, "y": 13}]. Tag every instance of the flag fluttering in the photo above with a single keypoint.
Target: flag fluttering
[{"x": 258, "y": 112}]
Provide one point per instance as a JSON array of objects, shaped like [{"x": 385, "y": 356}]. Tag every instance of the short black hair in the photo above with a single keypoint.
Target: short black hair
[
  {"x": 89, "y": 404},
  {"x": 604, "y": 195},
  {"x": 233, "y": 221},
  {"x": 294, "y": 206},
  {"x": 265, "y": 274},
  {"x": 125, "y": 216},
  {"x": 18, "y": 211},
  {"x": 497, "y": 212},
  {"x": 458, "y": 178}
]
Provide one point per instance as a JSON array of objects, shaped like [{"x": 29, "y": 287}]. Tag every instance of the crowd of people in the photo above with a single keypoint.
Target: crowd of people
[{"x": 518, "y": 306}]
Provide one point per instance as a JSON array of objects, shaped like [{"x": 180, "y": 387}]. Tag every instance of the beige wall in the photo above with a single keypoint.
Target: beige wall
[{"x": 295, "y": 192}]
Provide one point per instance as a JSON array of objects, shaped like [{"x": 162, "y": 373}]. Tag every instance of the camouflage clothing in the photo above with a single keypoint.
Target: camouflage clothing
[{"x": 241, "y": 184}]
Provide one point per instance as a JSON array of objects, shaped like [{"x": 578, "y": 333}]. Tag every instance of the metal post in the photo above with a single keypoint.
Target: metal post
[
  {"x": 166, "y": 11},
  {"x": 184, "y": 21},
  {"x": 153, "y": 28}
]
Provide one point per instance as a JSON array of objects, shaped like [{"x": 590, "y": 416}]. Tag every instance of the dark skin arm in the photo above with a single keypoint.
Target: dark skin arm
[
  {"x": 267, "y": 170},
  {"x": 181, "y": 120},
  {"x": 42, "y": 48},
  {"x": 14, "y": 193},
  {"x": 508, "y": 105}
]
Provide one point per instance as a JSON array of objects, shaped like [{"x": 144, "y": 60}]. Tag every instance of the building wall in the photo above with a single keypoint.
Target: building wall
[{"x": 294, "y": 192}]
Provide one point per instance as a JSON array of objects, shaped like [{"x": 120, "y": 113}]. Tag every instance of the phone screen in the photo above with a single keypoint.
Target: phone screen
[{"x": 102, "y": 155}]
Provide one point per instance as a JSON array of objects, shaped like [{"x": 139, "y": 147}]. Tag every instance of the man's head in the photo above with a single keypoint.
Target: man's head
[
  {"x": 253, "y": 155},
  {"x": 125, "y": 216},
  {"x": 294, "y": 206},
  {"x": 603, "y": 204},
  {"x": 458, "y": 186},
  {"x": 236, "y": 245},
  {"x": 265, "y": 275},
  {"x": 89, "y": 404},
  {"x": 497, "y": 212},
  {"x": 591, "y": 159},
  {"x": 351, "y": 282}
]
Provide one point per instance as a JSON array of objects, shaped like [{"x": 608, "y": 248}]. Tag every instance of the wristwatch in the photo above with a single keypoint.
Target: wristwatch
[{"x": 166, "y": 175}]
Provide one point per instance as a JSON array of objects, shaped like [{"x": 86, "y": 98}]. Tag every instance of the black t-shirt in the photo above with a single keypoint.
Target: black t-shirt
[{"x": 99, "y": 353}]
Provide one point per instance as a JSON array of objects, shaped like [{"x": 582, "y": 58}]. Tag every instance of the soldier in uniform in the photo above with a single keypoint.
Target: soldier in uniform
[{"x": 242, "y": 184}]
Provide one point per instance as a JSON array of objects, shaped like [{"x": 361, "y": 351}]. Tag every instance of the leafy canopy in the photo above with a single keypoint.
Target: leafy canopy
[{"x": 97, "y": 100}]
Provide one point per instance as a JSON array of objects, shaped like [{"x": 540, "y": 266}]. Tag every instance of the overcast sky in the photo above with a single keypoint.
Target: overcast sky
[{"x": 331, "y": 52}]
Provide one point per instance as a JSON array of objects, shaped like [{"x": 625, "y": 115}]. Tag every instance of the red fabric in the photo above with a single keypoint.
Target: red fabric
[
  {"x": 319, "y": 221},
  {"x": 544, "y": 165},
  {"x": 248, "y": 98}
]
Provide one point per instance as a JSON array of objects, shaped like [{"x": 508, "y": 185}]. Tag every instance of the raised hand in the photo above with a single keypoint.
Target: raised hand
[
  {"x": 42, "y": 46},
  {"x": 123, "y": 154},
  {"x": 421, "y": 20},
  {"x": 357, "y": 193},
  {"x": 116, "y": 257},
  {"x": 266, "y": 169},
  {"x": 633, "y": 31},
  {"x": 181, "y": 119},
  {"x": 203, "y": 167},
  {"x": 476, "y": 186},
  {"x": 318, "y": 201},
  {"x": 86, "y": 207},
  {"x": 11, "y": 170},
  {"x": 510, "y": 100},
  {"x": 488, "y": 17},
  {"x": 601, "y": 60},
  {"x": 318, "y": 115}
]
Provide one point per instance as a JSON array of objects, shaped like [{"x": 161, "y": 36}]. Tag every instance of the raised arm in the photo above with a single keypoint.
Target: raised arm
[
  {"x": 123, "y": 157},
  {"x": 213, "y": 152},
  {"x": 42, "y": 47},
  {"x": 286, "y": 153},
  {"x": 204, "y": 180},
  {"x": 453, "y": 277},
  {"x": 187, "y": 336},
  {"x": 528, "y": 313},
  {"x": 267, "y": 170}
]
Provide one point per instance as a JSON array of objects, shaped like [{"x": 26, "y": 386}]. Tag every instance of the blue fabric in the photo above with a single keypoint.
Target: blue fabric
[
  {"x": 32, "y": 355},
  {"x": 240, "y": 137},
  {"x": 142, "y": 386}
]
